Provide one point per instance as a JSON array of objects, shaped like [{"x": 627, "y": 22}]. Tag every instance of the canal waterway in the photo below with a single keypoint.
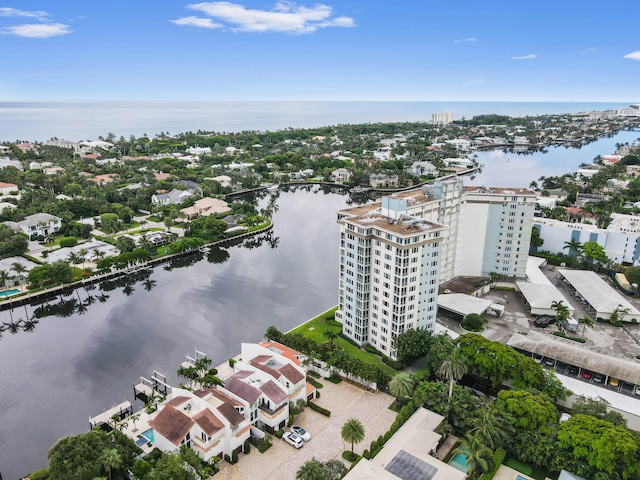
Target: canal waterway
[{"x": 79, "y": 353}]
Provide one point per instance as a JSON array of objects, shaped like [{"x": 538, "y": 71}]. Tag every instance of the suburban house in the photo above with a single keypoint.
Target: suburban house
[
  {"x": 7, "y": 188},
  {"x": 422, "y": 168},
  {"x": 38, "y": 224},
  {"x": 223, "y": 180},
  {"x": 205, "y": 207},
  {"x": 340, "y": 175},
  {"x": 174, "y": 197},
  {"x": 382, "y": 180},
  {"x": 409, "y": 453},
  {"x": 267, "y": 381},
  {"x": 209, "y": 421}
]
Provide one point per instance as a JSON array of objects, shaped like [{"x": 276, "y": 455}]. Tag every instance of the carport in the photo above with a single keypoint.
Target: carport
[
  {"x": 601, "y": 297},
  {"x": 558, "y": 349},
  {"x": 459, "y": 305},
  {"x": 540, "y": 297}
]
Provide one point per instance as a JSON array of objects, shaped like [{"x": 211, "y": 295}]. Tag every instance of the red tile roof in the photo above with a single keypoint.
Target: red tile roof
[
  {"x": 245, "y": 391},
  {"x": 291, "y": 373},
  {"x": 177, "y": 401},
  {"x": 283, "y": 350},
  {"x": 274, "y": 391},
  {"x": 5, "y": 185},
  {"x": 274, "y": 373},
  {"x": 172, "y": 424},
  {"x": 208, "y": 422},
  {"x": 233, "y": 416}
]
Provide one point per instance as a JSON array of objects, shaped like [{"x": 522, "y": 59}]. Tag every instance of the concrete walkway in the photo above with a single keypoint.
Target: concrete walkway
[{"x": 344, "y": 401}]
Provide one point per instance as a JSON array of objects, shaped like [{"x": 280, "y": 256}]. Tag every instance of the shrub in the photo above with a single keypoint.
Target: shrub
[
  {"x": 334, "y": 379},
  {"x": 313, "y": 374},
  {"x": 68, "y": 242},
  {"x": 234, "y": 458},
  {"x": 247, "y": 447},
  {"x": 350, "y": 457},
  {"x": 365, "y": 454},
  {"x": 227, "y": 458},
  {"x": 371, "y": 349},
  {"x": 232, "y": 362},
  {"x": 314, "y": 383},
  {"x": 319, "y": 409},
  {"x": 279, "y": 433},
  {"x": 564, "y": 335},
  {"x": 42, "y": 474},
  {"x": 265, "y": 444},
  {"x": 393, "y": 363},
  {"x": 140, "y": 468},
  {"x": 473, "y": 322}
]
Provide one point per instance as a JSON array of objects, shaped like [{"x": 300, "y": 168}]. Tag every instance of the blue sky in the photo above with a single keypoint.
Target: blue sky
[{"x": 561, "y": 50}]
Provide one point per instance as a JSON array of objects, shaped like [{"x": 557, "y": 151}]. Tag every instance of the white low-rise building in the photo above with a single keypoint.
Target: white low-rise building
[
  {"x": 37, "y": 225},
  {"x": 341, "y": 175}
]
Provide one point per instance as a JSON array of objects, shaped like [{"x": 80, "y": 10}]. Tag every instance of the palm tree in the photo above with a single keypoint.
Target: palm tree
[
  {"x": 82, "y": 253},
  {"x": 478, "y": 457},
  {"x": 488, "y": 426},
  {"x": 330, "y": 335},
  {"x": 562, "y": 311},
  {"x": 18, "y": 267},
  {"x": 574, "y": 246},
  {"x": 352, "y": 431},
  {"x": 4, "y": 276},
  {"x": 453, "y": 368},
  {"x": 110, "y": 459},
  {"x": 310, "y": 470},
  {"x": 98, "y": 255},
  {"x": 50, "y": 239},
  {"x": 401, "y": 386},
  {"x": 586, "y": 322}
]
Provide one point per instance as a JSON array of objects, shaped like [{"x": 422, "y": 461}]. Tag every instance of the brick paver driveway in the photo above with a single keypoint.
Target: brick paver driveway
[{"x": 344, "y": 401}]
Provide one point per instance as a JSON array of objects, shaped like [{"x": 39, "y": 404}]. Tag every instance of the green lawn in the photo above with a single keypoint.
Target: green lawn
[{"x": 315, "y": 328}]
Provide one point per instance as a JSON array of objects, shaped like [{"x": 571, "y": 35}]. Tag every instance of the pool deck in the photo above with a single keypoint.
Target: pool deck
[{"x": 508, "y": 473}]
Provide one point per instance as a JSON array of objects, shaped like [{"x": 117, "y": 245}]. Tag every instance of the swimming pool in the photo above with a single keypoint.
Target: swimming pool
[
  {"x": 459, "y": 461},
  {"x": 148, "y": 434},
  {"x": 8, "y": 293},
  {"x": 520, "y": 477}
]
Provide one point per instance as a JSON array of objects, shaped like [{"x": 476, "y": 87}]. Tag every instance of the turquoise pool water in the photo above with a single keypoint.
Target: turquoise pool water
[
  {"x": 148, "y": 434},
  {"x": 8, "y": 293},
  {"x": 459, "y": 461},
  {"x": 520, "y": 477}
]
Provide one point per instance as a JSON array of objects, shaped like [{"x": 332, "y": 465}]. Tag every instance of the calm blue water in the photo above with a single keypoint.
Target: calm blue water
[
  {"x": 40, "y": 121},
  {"x": 149, "y": 435},
  {"x": 7, "y": 293},
  {"x": 459, "y": 461}
]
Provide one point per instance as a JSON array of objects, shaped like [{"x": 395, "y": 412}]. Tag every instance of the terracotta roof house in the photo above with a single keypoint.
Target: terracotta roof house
[
  {"x": 206, "y": 206},
  {"x": 209, "y": 421},
  {"x": 7, "y": 188},
  {"x": 162, "y": 176}
]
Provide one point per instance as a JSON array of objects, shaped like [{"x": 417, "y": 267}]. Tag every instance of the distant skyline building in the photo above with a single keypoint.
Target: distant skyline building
[
  {"x": 395, "y": 253},
  {"x": 442, "y": 118}
]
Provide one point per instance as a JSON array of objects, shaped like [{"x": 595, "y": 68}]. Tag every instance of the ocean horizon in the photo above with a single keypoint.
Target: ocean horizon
[{"x": 87, "y": 120}]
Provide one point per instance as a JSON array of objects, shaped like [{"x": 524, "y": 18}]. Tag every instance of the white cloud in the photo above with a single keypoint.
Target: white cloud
[
  {"x": 526, "y": 57},
  {"x": 285, "y": 17},
  {"x": 14, "y": 12},
  {"x": 633, "y": 55},
  {"x": 38, "y": 30},
  {"x": 467, "y": 40},
  {"x": 197, "y": 22}
]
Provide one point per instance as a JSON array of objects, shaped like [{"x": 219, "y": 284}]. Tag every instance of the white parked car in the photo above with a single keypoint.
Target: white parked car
[
  {"x": 301, "y": 432},
  {"x": 292, "y": 439}
]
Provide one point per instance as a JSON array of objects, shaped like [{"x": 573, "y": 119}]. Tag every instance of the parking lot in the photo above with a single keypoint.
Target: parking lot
[
  {"x": 602, "y": 338},
  {"x": 344, "y": 401}
]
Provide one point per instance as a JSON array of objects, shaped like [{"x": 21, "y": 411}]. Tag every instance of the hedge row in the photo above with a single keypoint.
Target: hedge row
[
  {"x": 564, "y": 335},
  {"x": 377, "y": 445},
  {"x": 393, "y": 363},
  {"x": 319, "y": 409},
  {"x": 314, "y": 383}
]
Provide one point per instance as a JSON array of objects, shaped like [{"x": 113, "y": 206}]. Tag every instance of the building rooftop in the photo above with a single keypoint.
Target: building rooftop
[
  {"x": 576, "y": 354},
  {"x": 172, "y": 424},
  {"x": 599, "y": 295},
  {"x": 463, "y": 304}
]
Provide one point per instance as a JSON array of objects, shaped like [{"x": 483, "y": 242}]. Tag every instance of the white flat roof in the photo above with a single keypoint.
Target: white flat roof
[
  {"x": 542, "y": 295},
  {"x": 534, "y": 274},
  {"x": 602, "y": 297},
  {"x": 463, "y": 304}
]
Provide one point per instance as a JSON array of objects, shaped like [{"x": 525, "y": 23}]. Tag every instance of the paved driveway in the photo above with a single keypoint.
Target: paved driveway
[{"x": 344, "y": 401}]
